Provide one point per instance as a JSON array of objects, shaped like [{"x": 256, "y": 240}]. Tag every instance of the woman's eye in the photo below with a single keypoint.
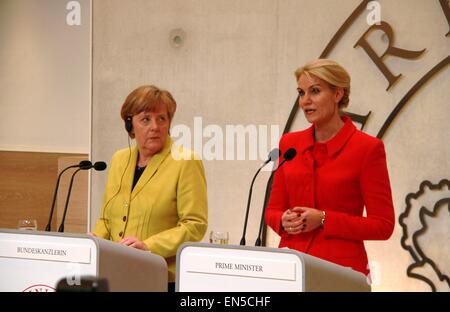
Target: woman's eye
[
  {"x": 301, "y": 93},
  {"x": 315, "y": 90}
]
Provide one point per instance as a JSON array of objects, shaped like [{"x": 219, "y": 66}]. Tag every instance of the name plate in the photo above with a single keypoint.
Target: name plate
[
  {"x": 241, "y": 266},
  {"x": 45, "y": 251}
]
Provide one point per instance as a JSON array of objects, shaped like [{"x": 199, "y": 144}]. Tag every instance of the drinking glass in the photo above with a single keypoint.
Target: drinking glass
[
  {"x": 27, "y": 224},
  {"x": 218, "y": 237}
]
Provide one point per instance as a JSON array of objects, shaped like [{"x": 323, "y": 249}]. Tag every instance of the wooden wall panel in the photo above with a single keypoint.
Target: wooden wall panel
[{"x": 26, "y": 186}]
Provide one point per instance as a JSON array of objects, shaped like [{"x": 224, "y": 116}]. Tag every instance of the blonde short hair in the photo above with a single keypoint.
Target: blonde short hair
[
  {"x": 332, "y": 73},
  {"x": 147, "y": 98}
]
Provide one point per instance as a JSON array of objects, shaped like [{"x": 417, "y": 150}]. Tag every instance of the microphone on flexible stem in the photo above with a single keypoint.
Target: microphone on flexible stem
[
  {"x": 288, "y": 156},
  {"x": 83, "y": 163},
  {"x": 99, "y": 166},
  {"x": 273, "y": 156}
]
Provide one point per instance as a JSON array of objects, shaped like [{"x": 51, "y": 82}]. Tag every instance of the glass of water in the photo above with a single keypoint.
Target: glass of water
[
  {"x": 27, "y": 224},
  {"x": 218, "y": 237}
]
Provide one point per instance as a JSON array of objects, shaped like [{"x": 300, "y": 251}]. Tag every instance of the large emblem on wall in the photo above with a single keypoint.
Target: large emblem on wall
[{"x": 426, "y": 214}]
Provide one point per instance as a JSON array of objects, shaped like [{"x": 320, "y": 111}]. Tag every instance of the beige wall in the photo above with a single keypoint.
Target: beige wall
[{"x": 45, "y": 77}]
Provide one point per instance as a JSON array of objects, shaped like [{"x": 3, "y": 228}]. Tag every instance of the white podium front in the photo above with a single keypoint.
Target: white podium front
[
  {"x": 230, "y": 268},
  {"x": 36, "y": 261}
]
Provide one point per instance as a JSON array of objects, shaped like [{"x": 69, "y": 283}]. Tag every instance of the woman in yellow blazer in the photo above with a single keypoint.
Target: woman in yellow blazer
[{"x": 155, "y": 197}]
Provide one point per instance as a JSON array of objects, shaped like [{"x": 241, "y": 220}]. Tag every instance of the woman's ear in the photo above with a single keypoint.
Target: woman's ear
[{"x": 339, "y": 94}]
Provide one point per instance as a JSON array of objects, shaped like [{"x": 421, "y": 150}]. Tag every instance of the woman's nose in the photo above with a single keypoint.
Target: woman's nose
[
  {"x": 304, "y": 100},
  {"x": 153, "y": 124}
]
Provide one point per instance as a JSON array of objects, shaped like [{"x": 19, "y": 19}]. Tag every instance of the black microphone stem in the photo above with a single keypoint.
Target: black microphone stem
[
  {"x": 266, "y": 201},
  {"x": 61, "y": 227},
  {"x": 242, "y": 243},
  {"x": 48, "y": 227},
  {"x": 261, "y": 224}
]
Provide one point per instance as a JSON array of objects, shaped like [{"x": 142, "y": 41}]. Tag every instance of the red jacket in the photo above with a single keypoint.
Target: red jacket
[{"x": 340, "y": 177}]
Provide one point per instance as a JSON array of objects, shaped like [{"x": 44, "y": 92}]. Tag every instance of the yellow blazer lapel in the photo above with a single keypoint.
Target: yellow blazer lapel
[
  {"x": 130, "y": 169},
  {"x": 152, "y": 167}
]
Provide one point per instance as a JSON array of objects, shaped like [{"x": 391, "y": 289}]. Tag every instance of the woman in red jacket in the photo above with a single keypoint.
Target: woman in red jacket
[{"x": 318, "y": 198}]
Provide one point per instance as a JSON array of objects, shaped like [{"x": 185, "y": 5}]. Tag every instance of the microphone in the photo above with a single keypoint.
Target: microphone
[
  {"x": 288, "y": 156},
  {"x": 273, "y": 156},
  {"x": 83, "y": 163},
  {"x": 98, "y": 166}
]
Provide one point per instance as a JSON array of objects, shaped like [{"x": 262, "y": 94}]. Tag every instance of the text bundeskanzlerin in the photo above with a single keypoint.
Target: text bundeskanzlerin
[{"x": 42, "y": 251}]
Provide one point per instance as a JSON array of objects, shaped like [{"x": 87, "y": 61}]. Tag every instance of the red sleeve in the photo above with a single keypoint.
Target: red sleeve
[
  {"x": 278, "y": 202},
  {"x": 376, "y": 192}
]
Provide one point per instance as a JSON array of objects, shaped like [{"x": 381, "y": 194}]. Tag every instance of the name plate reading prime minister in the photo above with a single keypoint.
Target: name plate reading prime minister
[
  {"x": 209, "y": 267},
  {"x": 226, "y": 264}
]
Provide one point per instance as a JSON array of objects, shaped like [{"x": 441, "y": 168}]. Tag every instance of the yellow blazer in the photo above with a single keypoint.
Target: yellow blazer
[{"x": 168, "y": 205}]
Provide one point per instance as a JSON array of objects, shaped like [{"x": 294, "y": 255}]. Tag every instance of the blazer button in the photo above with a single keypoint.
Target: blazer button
[
  {"x": 121, "y": 234},
  {"x": 124, "y": 218}
]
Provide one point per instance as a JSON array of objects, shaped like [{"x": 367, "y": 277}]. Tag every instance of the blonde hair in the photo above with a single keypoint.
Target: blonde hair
[
  {"x": 147, "y": 98},
  {"x": 331, "y": 72}
]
